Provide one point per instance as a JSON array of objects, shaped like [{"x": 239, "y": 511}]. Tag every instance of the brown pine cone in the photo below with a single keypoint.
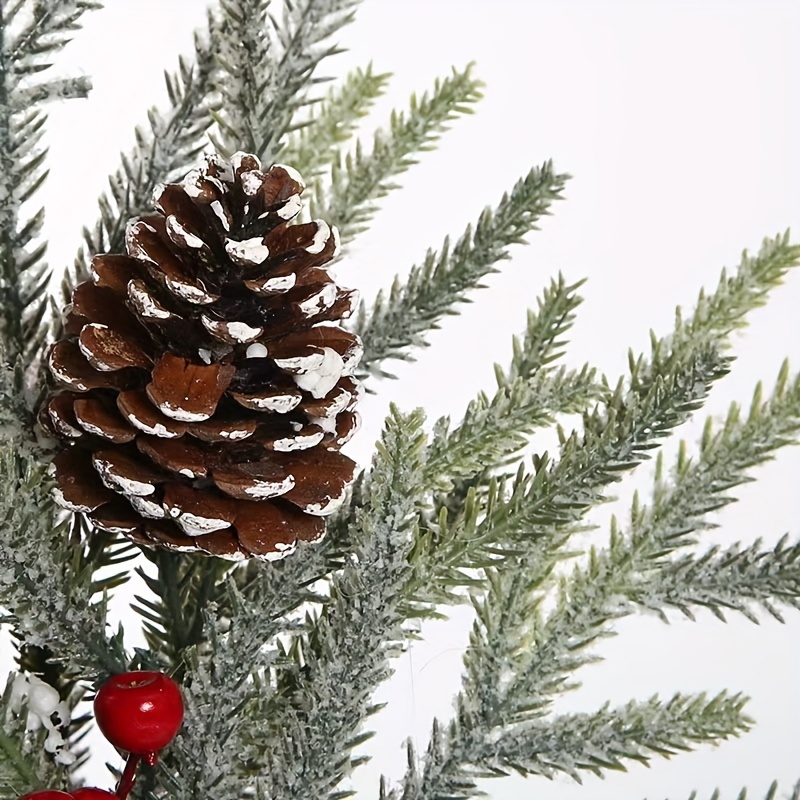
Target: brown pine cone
[{"x": 206, "y": 385}]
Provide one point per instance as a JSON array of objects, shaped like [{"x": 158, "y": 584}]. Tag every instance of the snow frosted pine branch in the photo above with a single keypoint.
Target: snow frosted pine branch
[
  {"x": 433, "y": 290},
  {"x": 279, "y": 660},
  {"x": 26, "y": 49}
]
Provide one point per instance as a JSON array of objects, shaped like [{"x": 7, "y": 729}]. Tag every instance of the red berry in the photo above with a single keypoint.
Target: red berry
[
  {"x": 47, "y": 794},
  {"x": 139, "y": 712}
]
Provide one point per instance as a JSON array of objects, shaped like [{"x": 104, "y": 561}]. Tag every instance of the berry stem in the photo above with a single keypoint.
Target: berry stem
[{"x": 128, "y": 776}]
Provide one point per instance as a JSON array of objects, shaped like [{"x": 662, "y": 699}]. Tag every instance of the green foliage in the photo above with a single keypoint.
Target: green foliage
[
  {"x": 530, "y": 394},
  {"x": 48, "y": 28},
  {"x": 494, "y": 430},
  {"x": 541, "y": 344},
  {"x": 280, "y": 661},
  {"x": 699, "y": 486},
  {"x": 361, "y": 179},
  {"x": 173, "y": 618},
  {"x": 267, "y": 68},
  {"x": 172, "y": 139},
  {"x": 771, "y": 794},
  {"x": 19, "y": 771},
  {"x": 539, "y": 520},
  {"x": 550, "y": 500},
  {"x": 570, "y": 744},
  {"x": 47, "y": 583},
  {"x": 736, "y": 578},
  {"x": 26, "y": 48},
  {"x": 244, "y": 50},
  {"x": 433, "y": 290},
  {"x": 589, "y": 599},
  {"x": 25, "y": 764},
  {"x": 314, "y": 145},
  {"x": 737, "y": 295},
  {"x": 604, "y": 739},
  {"x": 356, "y": 633}
]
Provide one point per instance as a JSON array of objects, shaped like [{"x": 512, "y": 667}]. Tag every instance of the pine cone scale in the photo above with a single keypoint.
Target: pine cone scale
[
  {"x": 137, "y": 409},
  {"x": 108, "y": 351},
  {"x": 79, "y": 486},
  {"x": 70, "y": 368},
  {"x": 99, "y": 416},
  {"x": 178, "y": 456},
  {"x": 114, "y": 272},
  {"x": 188, "y": 392}
]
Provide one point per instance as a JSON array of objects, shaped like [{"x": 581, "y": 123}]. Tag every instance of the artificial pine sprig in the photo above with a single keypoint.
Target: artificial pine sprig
[
  {"x": 570, "y": 744},
  {"x": 541, "y": 343},
  {"x": 267, "y": 67},
  {"x": 25, "y": 49},
  {"x": 530, "y": 393},
  {"x": 264, "y": 651},
  {"x": 174, "y": 615},
  {"x": 590, "y": 598},
  {"x": 46, "y": 582},
  {"x": 333, "y": 121},
  {"x": 506, "y": 620},
  {"x": 552, "y": 498},
  {"x": 664, "y": 390},
  {"x": 771, "y": 794},
  {"x": 737, "y": 578},
  {"x": 358, "y": 630},
  {"x": 493, "y": 430},
  {"x": 358, "y": 181},
  {"x": 433, "y": 290},
  {"x": 244, "y": 50},
  {"x": 48, "y": 26},
  {"x": 172, "y": 140}
]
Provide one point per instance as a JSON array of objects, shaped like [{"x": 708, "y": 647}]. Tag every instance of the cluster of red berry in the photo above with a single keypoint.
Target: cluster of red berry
[{"x": 138, "y": 712}]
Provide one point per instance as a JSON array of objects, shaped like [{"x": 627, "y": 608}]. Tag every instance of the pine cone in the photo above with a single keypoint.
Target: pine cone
[{"x": 208, "y": 385}]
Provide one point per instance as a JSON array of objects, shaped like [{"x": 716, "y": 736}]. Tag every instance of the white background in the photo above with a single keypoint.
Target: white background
[{"x": 680, "y": 123}]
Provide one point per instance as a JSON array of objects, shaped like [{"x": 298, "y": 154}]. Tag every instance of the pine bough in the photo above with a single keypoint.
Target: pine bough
[{"x": 440, "y": 517}]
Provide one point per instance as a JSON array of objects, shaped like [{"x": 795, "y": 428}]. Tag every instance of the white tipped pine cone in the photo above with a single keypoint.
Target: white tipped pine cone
[{"x": 205, "y": 385}]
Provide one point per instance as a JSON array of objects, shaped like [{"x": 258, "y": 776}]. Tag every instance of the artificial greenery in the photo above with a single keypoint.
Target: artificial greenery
[{"x": 279, "y": 662}]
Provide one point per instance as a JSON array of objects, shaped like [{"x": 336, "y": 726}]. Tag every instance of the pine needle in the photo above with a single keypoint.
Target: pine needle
[
  {"x": 362, "y": 179},
  {"x": 397, "y": 323},
  {"x": 315, "y": 144}
]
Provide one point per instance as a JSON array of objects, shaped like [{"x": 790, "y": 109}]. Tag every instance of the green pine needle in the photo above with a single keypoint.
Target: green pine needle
[
  {"x": 399, "y": 322},
  {"x": 362, "y": 179},
  {"x": 570, "y": 744},
  {"x": 25, "y": 50},
  {"x": 169, "y": 144},
  {"x": 314, "y": 145},
  {"x": 267, "y": 67}
]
